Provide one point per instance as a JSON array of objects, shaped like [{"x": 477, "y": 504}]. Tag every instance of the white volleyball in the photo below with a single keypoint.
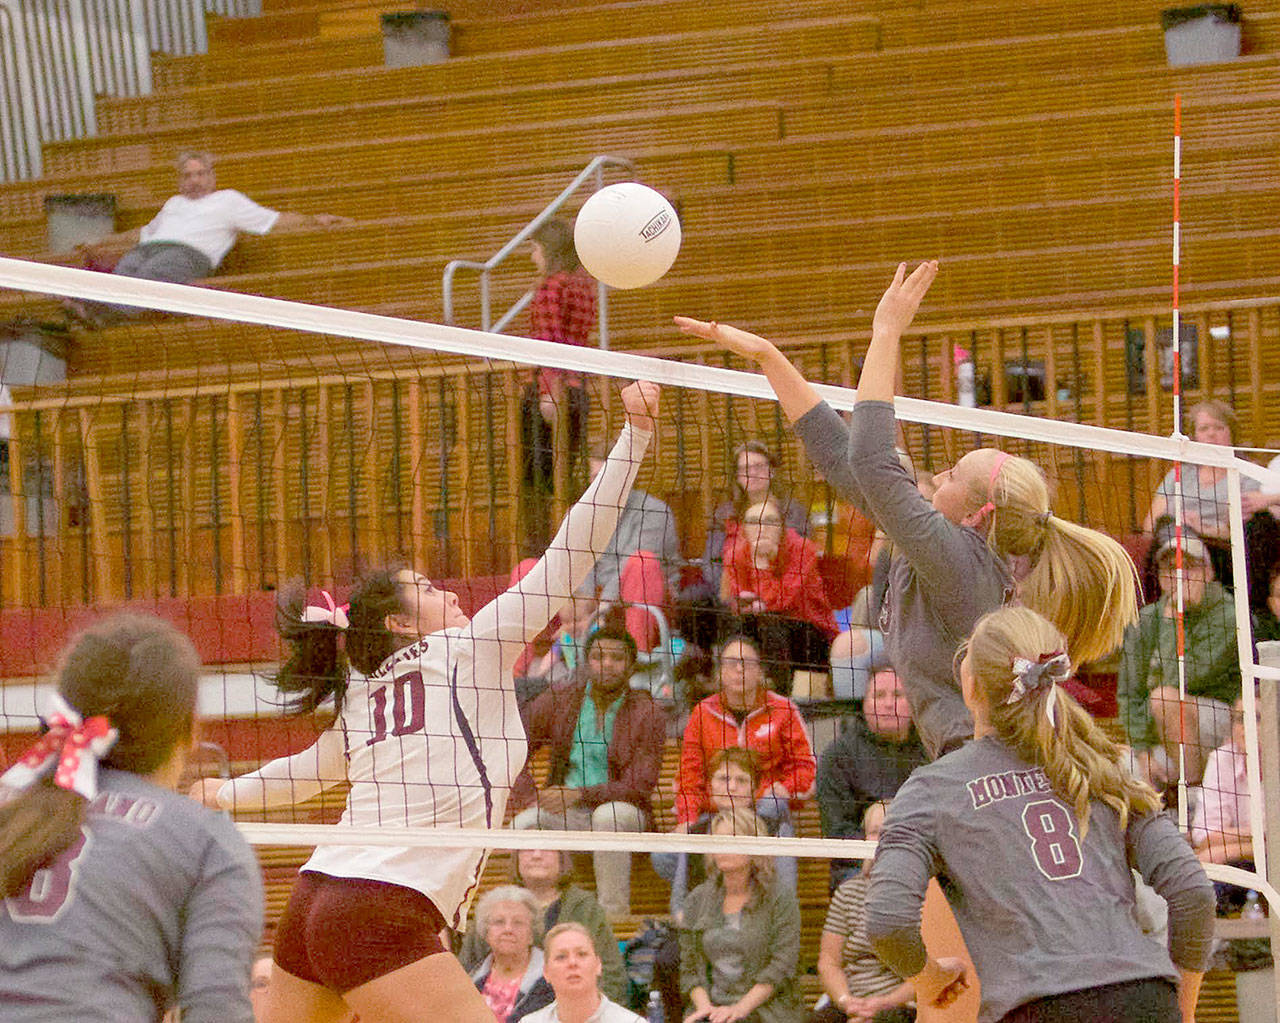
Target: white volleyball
[{"x": 627, "y": 235}]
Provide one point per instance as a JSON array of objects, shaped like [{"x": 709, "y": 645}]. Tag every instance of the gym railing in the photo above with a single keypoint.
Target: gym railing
[{"x": 593, "y": 172}]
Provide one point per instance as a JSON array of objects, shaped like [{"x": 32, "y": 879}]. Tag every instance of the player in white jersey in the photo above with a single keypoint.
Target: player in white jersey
[
  {"x": 120, "y": 898},
  {"x": 1034, "y": 829},
  {"x": 428, "y": 734}
]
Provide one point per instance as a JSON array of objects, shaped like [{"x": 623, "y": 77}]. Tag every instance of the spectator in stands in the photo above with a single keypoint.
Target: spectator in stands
[
  {"x": 1266, "y": 619},
  {"x": 740, "y": 942},
  {"x": 746, "y": 714},
  {"x": 641, "y": 565},
  {"x": 1220, "y": 828},
  {"x": 259, "y": 985},
  {"x": 755, "y": 468},
  {"x": 563, "y": 658},
  {"x": 732, "y": 781},
  {"x": 772, "y": 574},
  {"x": 510, "y": 978},
  {"x": 548, "y": 875},
  {"x": 189, "y": 237},
  {"x": 1204, "y": 488},
  {"x": 858, "y": 985},
  {"x": 606, "y": 744},
  {"x": 755, "y": 472},
  {"x": 573, "y": 970},
  {"x": 564, "y": 310},
  {"x": 1147, "y": 688},
  {"x": 867, "y": 762}
]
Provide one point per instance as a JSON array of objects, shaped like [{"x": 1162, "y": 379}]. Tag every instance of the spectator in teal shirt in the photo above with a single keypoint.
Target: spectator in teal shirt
[{"x": 606, "y": 744}]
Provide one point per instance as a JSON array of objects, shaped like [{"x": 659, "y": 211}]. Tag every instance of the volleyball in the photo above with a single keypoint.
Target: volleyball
[{"x": 627, "y": 235}]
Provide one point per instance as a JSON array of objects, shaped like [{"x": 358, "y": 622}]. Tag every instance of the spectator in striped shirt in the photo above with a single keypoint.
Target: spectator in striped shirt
[{"x": 564, "y": 310}]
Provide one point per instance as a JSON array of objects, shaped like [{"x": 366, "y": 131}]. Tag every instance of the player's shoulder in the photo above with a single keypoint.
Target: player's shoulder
[{"x": 201, "y": 833}]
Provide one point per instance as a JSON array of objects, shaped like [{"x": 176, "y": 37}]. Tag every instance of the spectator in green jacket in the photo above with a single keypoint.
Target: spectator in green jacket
[{"x": 1152, "y": 714}]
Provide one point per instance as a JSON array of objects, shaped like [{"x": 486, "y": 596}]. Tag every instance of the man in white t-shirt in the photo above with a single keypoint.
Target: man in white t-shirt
[{"x": 190, "y": 236}]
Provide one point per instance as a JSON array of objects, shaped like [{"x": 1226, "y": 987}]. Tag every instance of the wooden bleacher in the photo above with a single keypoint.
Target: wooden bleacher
[{"x": 1026, "y": 145}]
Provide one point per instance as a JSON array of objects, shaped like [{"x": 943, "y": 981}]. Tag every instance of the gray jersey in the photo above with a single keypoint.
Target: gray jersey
[
  {"x": 943, "y": 576},
  {"x": 158, "y": 903},
  {"x": 1042, "y": 910}
]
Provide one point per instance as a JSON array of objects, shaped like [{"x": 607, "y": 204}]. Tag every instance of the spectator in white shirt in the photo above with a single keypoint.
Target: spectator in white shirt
[{"x": 189, "y": 237}]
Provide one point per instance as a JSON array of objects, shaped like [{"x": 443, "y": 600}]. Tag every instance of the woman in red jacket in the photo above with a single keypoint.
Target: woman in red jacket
[
  {"x": 771, "y": 574},
  {"x": 746, "y": 714}
]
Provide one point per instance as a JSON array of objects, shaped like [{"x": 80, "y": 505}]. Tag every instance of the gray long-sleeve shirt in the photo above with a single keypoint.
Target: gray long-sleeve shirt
[
  {"x": 159, "y": 903},
  {"x": 646, "y": 524},
  {"x": 1042, "y": 911},
  {"x": 943, "y": 576}
]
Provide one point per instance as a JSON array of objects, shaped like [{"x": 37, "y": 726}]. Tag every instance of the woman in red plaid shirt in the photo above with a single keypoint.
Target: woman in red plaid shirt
[{"x": 563, "y": 309}]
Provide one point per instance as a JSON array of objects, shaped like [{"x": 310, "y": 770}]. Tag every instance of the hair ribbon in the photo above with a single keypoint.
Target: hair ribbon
[
  {"x": 996, "y": 466},
  {"x": 70, "y": 747},
  {"x": 332, "y": 614},
  {"x": 1032, "y": 676}
]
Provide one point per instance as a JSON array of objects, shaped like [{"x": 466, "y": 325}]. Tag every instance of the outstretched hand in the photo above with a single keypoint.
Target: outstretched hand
[
  {"x": 640, "y": 400},
  {"x": 902, "y": 298},
  {"x": 751, "y": 347}
]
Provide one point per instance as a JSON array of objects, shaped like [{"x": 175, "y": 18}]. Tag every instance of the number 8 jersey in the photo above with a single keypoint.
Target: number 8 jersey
[
  {"x": 1043, "y": 909},
  {"x": 433, "y": 738}
]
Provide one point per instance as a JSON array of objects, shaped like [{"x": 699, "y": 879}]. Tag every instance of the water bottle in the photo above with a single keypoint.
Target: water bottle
[
  {"x": 653, "y": 1012},
  {"x": 966, "y": 394},
  {"x": 1252, "y": 907}
]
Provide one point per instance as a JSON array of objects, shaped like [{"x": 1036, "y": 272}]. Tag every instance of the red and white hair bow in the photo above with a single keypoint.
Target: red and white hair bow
[
  {"x": 332, "y": 614},
  {"x": 70, "y": 749}
]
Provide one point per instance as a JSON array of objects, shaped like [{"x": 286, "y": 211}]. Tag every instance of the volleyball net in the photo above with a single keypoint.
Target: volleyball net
[{"x": 201, "y": 457}]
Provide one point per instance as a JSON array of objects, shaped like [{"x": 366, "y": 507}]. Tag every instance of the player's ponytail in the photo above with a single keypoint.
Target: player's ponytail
[
  {"x": 1081, "y": 580},
  {"x": 1018, "y": 660},
  {"x": 323, "y": 638},
  {"x": 133, "y": 674}
]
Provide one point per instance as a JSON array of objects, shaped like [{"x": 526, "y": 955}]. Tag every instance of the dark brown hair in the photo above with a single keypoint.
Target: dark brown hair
[
  {"x": 142, "y": 675},
  {"x": 556, "y": 239},
  {"x": 316, "y": 667}
]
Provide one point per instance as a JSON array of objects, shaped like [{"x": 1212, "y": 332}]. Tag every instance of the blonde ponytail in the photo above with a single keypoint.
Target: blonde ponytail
[
  {"x": 1044, "y": 725},
  {"x": 1081, "y": 580}
]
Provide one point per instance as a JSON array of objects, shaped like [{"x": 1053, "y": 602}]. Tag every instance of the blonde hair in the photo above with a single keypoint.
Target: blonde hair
[
  {"x": 743, "y": 821},
  {"x": 1081, "y": 580},
  {"x": 568, "y": 927},
  {"x": 1081, "y": 763}
]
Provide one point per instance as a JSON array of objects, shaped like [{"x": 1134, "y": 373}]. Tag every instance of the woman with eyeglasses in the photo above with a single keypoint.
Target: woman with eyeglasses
[{"x": 429, "y": 735}]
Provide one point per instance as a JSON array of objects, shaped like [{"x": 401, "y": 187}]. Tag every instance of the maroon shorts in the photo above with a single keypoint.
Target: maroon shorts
[{"x": 342, "y": 932}]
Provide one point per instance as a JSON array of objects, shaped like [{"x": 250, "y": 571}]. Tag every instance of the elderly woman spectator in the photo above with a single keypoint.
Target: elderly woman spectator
[
  {"x": 740, "y": 940},
  {"x": 858, "y": 985},
  {"x": 1153, "y": 715},
  {"x": 1204, "y": 487},
  {"x": 547, "y": 874},
  {"x": 510, "y": 977},
  {"x": 746, "y": 714},
  {"x": 573, "y": 970}
]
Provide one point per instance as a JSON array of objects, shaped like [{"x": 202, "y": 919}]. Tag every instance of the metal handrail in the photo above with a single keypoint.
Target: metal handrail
[{"x": 595, "y": 169}]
